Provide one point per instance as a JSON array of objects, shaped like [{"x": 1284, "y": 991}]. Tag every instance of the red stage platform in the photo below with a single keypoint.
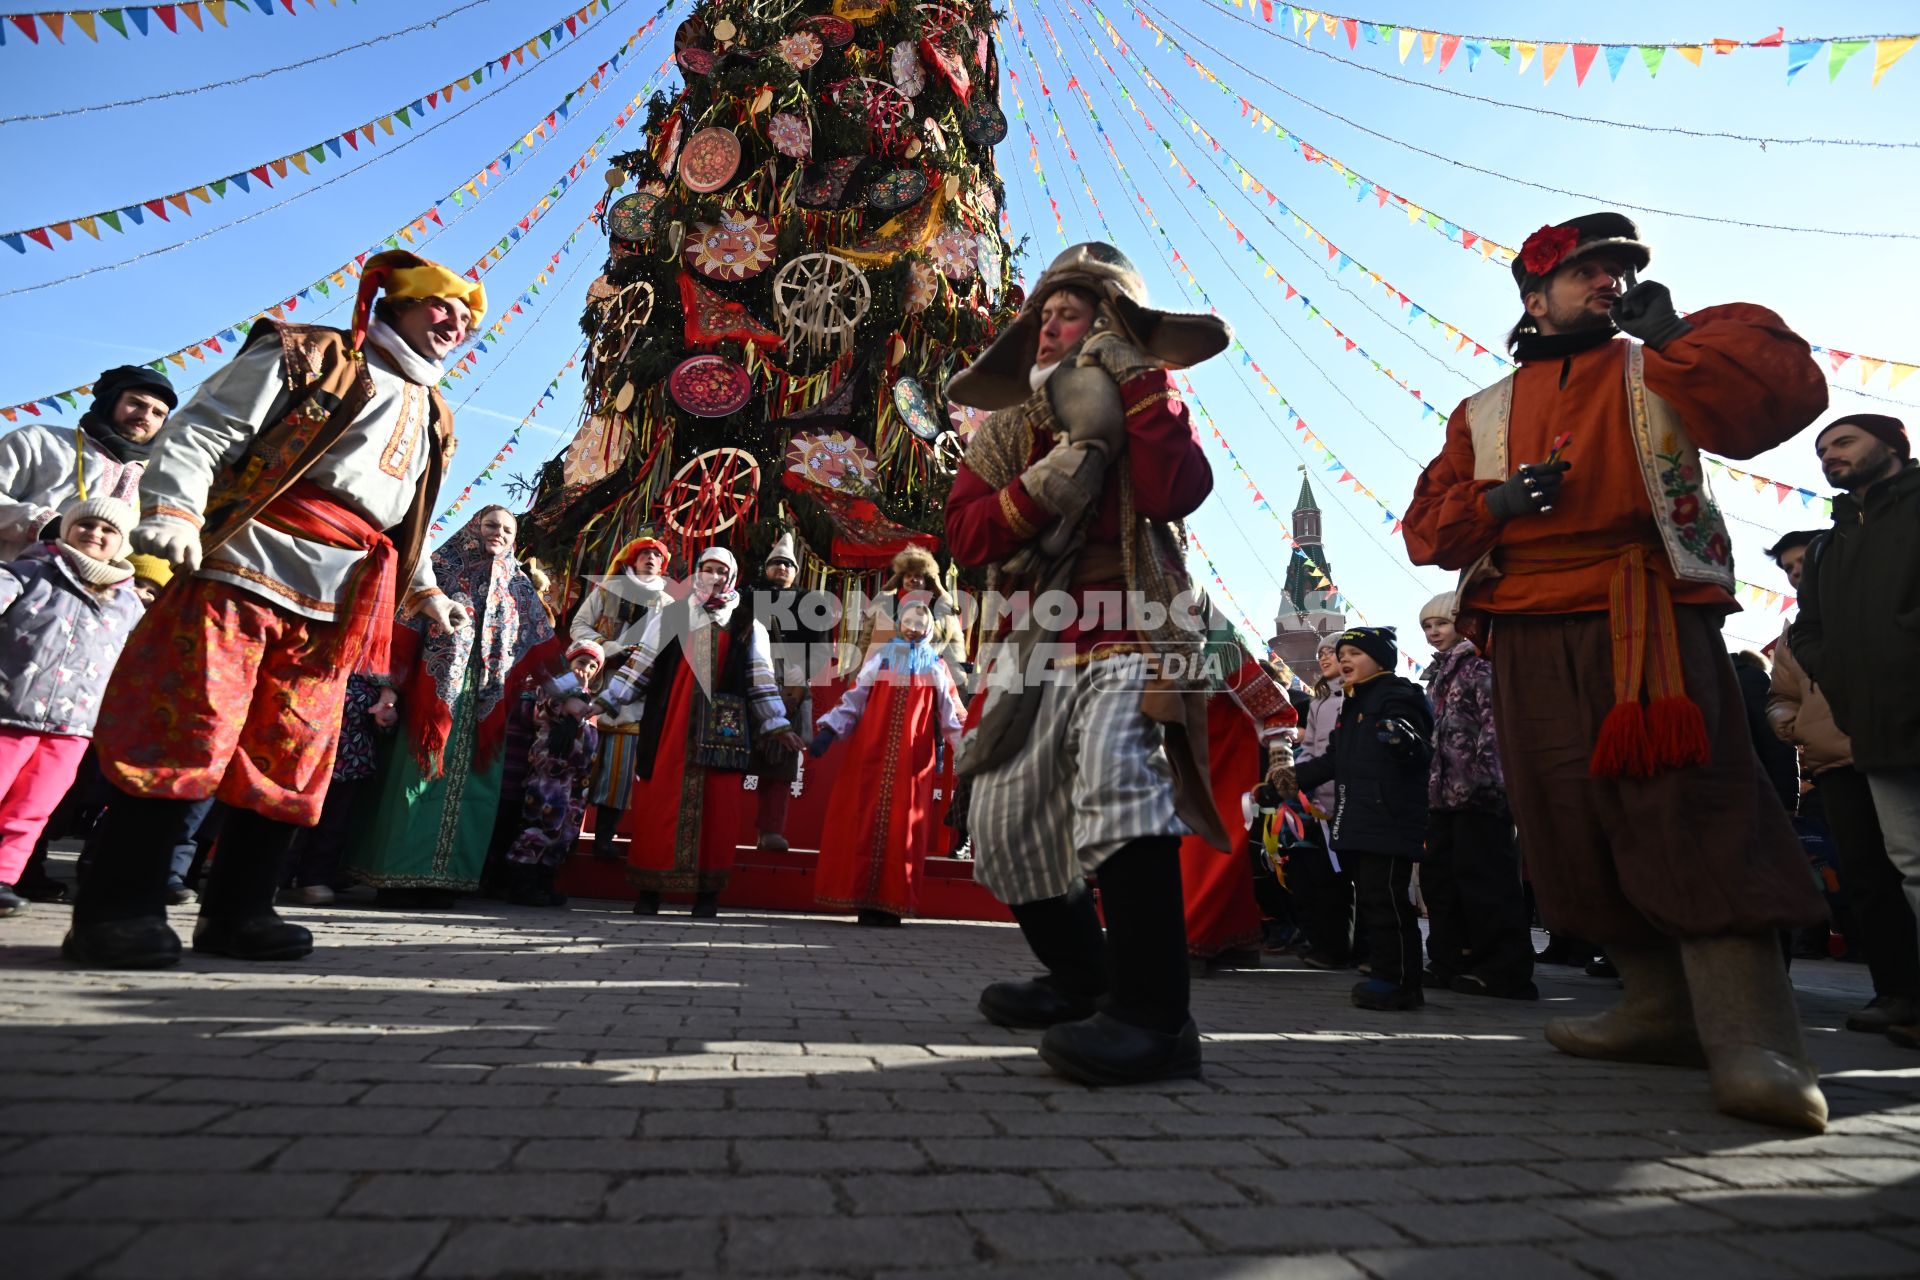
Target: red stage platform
[{"x": 784, "y": 881}]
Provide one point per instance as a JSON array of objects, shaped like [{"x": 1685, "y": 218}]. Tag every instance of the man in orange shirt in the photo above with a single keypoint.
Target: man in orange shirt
[{"x": 1596, "y": 570}]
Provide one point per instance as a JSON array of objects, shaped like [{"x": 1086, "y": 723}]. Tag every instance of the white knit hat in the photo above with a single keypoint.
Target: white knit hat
[
  {"x": 1441, "y": 606},
  {"x": 115, "y": 512}
]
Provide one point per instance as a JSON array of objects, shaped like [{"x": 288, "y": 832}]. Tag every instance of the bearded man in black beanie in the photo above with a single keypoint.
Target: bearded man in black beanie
[{"x": 43, "y": 466}]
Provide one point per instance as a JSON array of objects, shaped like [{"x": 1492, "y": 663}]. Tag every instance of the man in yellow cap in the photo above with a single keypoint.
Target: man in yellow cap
[{"x": 293, "y": 494}]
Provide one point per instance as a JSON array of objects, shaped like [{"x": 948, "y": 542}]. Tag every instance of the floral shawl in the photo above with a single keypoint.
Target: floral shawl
[{"x": 510, "y": 628}]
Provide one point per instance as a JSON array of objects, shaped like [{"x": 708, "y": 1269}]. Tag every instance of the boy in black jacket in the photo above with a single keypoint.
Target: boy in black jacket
[{"x": 1377, "y": 762}]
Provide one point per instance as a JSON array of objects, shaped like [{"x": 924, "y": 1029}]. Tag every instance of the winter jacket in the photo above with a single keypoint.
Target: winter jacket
[
  {"x": 1466, "y": 754},
  {"x": 58, "y": 644},
  {"x": 1858, "y": 633},
  {"x": 40, "y": 472},
  {"x": 1798, "y": 712},
  {"x": 1776, "y": 757},
  {"x": 1316, "y": 734},
  {"x": 1380, "y": 792}
]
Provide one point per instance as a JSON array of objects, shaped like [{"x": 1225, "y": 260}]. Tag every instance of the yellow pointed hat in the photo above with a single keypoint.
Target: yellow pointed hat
[{"x": 408, "y": 275}]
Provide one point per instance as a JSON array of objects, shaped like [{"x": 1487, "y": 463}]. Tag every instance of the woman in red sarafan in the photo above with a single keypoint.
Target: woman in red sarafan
[{"x": 880, "y": 821}]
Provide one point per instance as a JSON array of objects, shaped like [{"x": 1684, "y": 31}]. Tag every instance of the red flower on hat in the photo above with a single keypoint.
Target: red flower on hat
[{"x": 1546, "y": 247}]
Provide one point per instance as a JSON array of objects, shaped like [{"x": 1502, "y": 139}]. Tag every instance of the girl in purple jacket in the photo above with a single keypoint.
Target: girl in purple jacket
[{"x": 65, "y": 612}]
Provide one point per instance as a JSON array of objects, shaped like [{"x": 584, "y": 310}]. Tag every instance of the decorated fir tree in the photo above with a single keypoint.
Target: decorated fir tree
[{"x": 809, "y": 247}]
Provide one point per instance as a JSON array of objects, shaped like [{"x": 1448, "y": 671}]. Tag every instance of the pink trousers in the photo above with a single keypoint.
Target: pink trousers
[{"x": 35, "y": 771}]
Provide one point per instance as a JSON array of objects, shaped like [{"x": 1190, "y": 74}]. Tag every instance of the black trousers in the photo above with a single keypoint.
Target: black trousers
[
  {"x": 1381, "y": 890},
  {"x": 1873, "y": 886},
  {"x": 1322, "y": 901},
  {"x": 319, "y": 850},
  {"x": 1477, "y": 917}
]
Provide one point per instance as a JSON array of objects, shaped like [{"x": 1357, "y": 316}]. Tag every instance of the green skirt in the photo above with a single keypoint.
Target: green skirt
[{"x": 431, "y": 833}]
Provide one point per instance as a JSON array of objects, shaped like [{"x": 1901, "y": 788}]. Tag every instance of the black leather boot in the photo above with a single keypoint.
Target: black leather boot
[
  {"x": 1143, "y": 1031},
  {"x": 237, "y": 919},
  {"x": 647, "y": 903},
  {"x": 1064, "y": 934},
  {"x": 705, "y": 906},
  {"x": 120, "y": 909}
]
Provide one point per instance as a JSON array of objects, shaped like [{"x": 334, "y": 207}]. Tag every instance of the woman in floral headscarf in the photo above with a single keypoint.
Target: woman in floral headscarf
[{"x": 427, "y": 840}]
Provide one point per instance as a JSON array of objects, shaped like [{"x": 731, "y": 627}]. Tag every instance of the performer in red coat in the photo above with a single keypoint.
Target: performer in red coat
[{"x": 880, "y": 822}]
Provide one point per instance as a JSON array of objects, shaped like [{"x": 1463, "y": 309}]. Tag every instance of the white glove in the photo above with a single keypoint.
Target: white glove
[
  {"x": 175, "y": 541},
  {"x": 1068, "y": 479},
  {"x": 444, "y": 612}
]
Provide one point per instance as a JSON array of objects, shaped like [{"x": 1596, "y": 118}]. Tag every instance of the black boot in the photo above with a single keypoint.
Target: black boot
[
  {"x": 647, "y": 903},
  {"x": 705, "y": 906},
  {"x": 1143, "y": 1031},
  {"x": 120, "y": 909},
  {"x": 1064, "y": 934},
  {"x": 876, "y": 919},
  {"x": 237, "y": 919},
  {"x": 520, "y": 884},
  {"x": 543, "y": 878}
]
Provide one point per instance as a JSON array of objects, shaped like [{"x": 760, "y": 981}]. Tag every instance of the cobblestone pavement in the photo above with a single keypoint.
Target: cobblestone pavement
[{"x": 504, "y": 1092}]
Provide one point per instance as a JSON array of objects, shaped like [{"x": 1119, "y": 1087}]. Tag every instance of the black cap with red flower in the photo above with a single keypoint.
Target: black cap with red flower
[{"x": 1553, "y": 247}]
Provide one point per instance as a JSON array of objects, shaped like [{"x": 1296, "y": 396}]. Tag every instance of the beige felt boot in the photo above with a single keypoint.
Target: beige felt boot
[
  {"x": 1653, "y": 1021},
  {"x": 1743, "y": 1003}
]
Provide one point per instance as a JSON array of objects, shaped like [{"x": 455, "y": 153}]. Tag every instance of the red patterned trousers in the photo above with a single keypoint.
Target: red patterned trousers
[{"x": 220, "y": 693}]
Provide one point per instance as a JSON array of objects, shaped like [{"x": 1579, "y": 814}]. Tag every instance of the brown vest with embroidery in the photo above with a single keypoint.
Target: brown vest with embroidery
[
  {"x": 330, "y": 387},
  {"x": 1669, "y": 465}
]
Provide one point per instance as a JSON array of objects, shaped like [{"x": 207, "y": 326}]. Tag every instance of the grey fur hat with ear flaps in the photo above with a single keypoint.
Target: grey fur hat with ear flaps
[{"x": 1177, "y": 339}]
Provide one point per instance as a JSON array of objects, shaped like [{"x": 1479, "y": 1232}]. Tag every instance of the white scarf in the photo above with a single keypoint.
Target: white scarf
[
  {"x": 407, "y": 362},
  {"x": 1038, "y": 375},
  {"x": 95, "y": 573},
  {"x": 645, "y": 592}
]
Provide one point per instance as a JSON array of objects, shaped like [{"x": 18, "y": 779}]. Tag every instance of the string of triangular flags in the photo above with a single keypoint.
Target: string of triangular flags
[
  {"x": 1780, "y": 488},
  {"x": 303, "y": 159},
  {"x": 1059, "y": 125},
  {"x": 486, "y": 472},
  {"x": 1487, "y": 248},
  {"x": 413, "y": 232},
  {"x": 1413, "y": 310},
  {"x": 1464, "y": 342},
  {"x": 1778, "y": 601},
  {"x": 1801, "y": 50},
  {"x": 525, "y": 299},
  {"x": 139, "y": 16},
  {"x": 1033, "y": 148}
]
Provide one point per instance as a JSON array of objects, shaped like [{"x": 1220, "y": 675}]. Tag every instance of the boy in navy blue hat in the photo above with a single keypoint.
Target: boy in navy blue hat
[{"x": 1377, "y": 762}]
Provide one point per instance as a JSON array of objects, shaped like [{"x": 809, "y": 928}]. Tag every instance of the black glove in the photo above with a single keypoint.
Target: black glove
[
  {"x": 1400, "y": 737},
  {"x": 1646, "y": 311},
  {"x": 823, "y": 738},
  {"x": 1528, "y": 491}
]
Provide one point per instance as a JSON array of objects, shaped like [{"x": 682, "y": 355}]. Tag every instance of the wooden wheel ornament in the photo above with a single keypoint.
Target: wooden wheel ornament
[
  {"x": 819, "y": 300},
  {"x": 712, "y": 492},
  {"x": 948, "y": 450}
]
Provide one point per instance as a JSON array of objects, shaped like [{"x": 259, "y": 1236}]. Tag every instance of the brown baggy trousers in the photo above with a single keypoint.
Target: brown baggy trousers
[{"x": 1691, "y": 853}]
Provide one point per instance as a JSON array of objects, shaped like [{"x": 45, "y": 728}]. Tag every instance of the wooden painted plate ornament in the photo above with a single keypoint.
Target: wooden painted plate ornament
[
  {"x": 923, "y": 285},
  {"x": 697, "y": 62},
  {"x": 956, "y": 253},
  {"x": 709, "y": 386},
  {"x": 895, "y": 189},
  {"x": 710, "y": 160},
  {"x": 633, "y": 217},
  {"x": 737, "y": 247},
  {"x": 910, "y": 398},
  {"x": 908, "y": 74},
  {"x": 837, "y": 32},
  {"x": 801, "y": 48},
  {"x": 790, "y": 134},
  {"x": 984, "y": 124}
]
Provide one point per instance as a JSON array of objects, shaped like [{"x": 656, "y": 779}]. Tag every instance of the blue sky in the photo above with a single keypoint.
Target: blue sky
[{"x": 1838, "y": 290}]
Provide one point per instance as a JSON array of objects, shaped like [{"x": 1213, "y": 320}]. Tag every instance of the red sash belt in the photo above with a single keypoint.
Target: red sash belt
[
  {"x": 307, "y": 511},
  {"x": 1668, "y": 731}
]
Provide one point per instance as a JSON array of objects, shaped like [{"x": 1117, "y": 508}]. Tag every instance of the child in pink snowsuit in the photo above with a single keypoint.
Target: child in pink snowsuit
[{"x": 65, "y": 612}]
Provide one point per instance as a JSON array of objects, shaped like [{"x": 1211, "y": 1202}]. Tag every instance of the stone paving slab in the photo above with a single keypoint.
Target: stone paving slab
[{"x": 492, "y": 1092}]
